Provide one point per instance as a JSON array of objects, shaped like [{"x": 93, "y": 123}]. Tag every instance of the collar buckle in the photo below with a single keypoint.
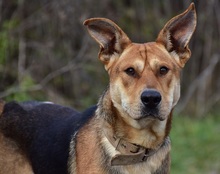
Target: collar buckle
[{"x": 146, "y": 155}]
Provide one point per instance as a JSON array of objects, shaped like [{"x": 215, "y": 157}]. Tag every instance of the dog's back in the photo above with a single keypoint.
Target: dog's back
[{"x": 44, "y": 130}]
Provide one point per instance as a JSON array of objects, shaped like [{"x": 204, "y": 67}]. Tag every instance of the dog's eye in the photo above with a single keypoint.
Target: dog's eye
[
  {"x": 163, "y": 70},
  {"x": 130, "y": 71}
]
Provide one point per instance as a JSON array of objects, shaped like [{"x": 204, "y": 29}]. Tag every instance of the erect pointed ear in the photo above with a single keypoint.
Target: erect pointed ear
[
  {"x": 109, "y": 36},
  {"x": 177, "y": 33}
]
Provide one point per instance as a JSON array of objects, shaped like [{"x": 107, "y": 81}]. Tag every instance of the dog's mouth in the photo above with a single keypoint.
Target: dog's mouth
[
  {"x": 150, "y": 117},
  {"x": 150, "y": 114},
  {"x": 139, "y": 113}
]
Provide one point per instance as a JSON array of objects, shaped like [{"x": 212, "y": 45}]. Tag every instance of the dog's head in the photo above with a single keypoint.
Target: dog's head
[{"x": 144, "y": 78}]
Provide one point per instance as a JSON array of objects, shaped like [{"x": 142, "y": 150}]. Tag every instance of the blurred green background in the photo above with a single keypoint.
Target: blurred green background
[
  {"x": 195, "y": 145},
  {"x": 47, "y": 54}
]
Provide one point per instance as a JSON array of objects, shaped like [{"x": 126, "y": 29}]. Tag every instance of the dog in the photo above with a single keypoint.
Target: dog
[{"x": 128, "y": 130}]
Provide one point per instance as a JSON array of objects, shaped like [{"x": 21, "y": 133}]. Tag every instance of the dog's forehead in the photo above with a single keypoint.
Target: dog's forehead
[{"x": 150, "y": 52}]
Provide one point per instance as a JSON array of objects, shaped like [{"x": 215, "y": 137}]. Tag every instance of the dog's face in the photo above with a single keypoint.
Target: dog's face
[
  {"x": 144, "y": 78},
  {"x": 145, "y": 82}
]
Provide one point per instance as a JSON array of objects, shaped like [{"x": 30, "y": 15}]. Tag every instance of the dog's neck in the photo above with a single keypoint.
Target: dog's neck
[
  {"x": 116, "y": 134},
  {"x": 130, "y": 153}
]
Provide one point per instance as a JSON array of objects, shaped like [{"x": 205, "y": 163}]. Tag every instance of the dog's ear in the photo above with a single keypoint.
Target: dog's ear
[
  {"x": 177, "y": 33},
  {"x": 111, "y": 38}
]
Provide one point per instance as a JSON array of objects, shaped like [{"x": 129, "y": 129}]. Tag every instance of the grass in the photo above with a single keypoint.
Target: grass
[{"x": 195, "y": 145}]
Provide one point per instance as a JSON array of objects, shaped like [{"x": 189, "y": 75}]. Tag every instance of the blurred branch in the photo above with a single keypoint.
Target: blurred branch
[
  {"x": 1, "y": 2},
  {"x": 70, "y": 66},
  {"x": 216, "y": 10},
  {"x": 21, "y": 57},
  {"x": 34, "y": 19},
  {"x": 199, "y": 83}
]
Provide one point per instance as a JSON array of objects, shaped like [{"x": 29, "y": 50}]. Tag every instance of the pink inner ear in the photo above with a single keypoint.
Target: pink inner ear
[
  {"x": 103, "y": 38},
  {"x": 182, "y": 33},
  {"x": 182, "y": 37},
  {"x": 102, "y": 34}
]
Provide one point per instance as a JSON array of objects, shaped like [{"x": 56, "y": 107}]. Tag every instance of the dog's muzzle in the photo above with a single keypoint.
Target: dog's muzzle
[{"x": 150, "y": 99}]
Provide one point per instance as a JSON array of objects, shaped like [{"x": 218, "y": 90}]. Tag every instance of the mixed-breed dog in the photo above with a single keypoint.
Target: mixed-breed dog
[{"x": 127, "y": 132}]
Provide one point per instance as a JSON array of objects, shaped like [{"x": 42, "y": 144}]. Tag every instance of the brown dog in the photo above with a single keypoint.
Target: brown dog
[{"x": 128, "y": 131}]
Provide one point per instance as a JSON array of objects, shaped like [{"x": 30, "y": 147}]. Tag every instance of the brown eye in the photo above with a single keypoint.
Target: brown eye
[
  {"x": 130, "y": 71},
  {"x": 163, "y": 70}
]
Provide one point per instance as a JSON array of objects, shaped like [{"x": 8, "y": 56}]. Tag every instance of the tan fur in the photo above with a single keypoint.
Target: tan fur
[
  {"x": 12, "y": 160},
  {"x": 88, "y": 138}
]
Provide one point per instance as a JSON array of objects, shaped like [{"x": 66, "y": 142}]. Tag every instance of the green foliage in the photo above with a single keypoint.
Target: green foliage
[
  {"x": 19, "y": 96},
  {"x": 22, "y": 93},
  {"x": 5, "y": 42},
  {"x": 195, "y": 145}
]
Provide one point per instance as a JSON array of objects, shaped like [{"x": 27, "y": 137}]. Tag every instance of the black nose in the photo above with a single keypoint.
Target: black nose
[{"x": 150, "y": 98}]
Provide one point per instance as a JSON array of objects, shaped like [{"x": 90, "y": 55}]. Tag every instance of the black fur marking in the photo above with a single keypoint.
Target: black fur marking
[{"x": 44, "y": 132}]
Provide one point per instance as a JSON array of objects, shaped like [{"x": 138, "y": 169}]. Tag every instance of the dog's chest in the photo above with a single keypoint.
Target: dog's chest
[
  {"x": 137, "y": 168},
  {"x": 148, "y": 167}
]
